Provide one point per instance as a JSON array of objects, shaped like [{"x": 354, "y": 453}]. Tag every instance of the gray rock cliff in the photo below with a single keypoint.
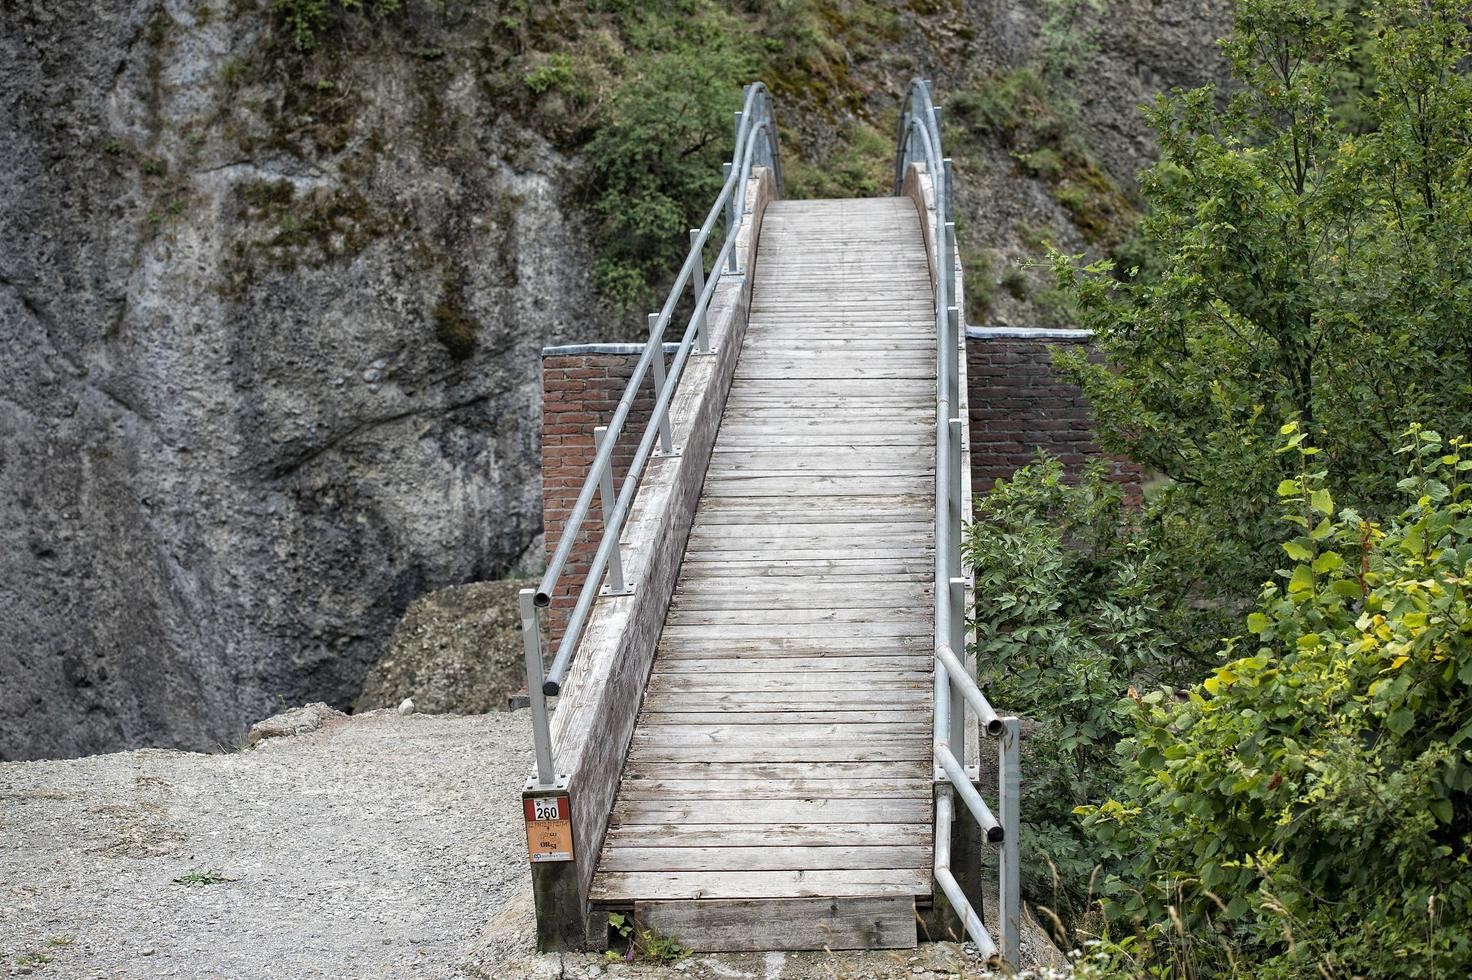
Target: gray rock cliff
[{"x": 270, "y": 370}]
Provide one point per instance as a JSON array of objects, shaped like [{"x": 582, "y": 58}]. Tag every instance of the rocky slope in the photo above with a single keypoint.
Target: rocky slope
[{"x": 272, "y": 323}]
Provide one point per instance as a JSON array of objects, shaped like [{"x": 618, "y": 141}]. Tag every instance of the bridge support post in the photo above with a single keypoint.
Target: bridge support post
[{"x": 943, "y": 922}]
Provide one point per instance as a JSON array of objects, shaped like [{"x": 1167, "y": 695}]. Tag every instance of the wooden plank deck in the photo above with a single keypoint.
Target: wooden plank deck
[{"x": 782, "y": 753}]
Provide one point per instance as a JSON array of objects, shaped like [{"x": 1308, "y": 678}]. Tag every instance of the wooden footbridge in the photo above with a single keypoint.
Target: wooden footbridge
[{"x": 763, "y": 711}]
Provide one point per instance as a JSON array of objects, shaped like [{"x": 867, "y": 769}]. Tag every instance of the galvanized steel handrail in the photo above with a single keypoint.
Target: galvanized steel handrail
[
  {"x": 919, "y": 141},
  {"x": 755, "y": 145}
]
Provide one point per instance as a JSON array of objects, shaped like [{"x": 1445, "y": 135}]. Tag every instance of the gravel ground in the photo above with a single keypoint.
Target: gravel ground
[{"x": 378, "y": 846}]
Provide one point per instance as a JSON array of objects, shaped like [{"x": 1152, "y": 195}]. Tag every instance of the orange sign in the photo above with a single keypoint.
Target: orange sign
[{"x": 548, "y": 828}]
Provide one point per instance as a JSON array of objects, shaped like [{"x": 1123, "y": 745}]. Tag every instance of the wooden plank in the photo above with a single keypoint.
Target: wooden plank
[
  {"x": 628, "y": 886},
  {"x": 698, "y": 734},
  {"x": 808, "y": 752},
  {"x": 894, "y": 699},
  {"x": 921, "y": 661},
  {"x": 831, "y": 632},
  {"x": 741, "y": 925},
  {"x": 861, "y": 508},
  {"x": 794, "y": 647},
  {"x": 735, "y": 716},
  {"x": 812, "y": 486},
  {"x": 892, "y": 570},
  {"x": 832, "y": 625},
  {"x": 796, "y": 810},
  {"x": 742, "y": 789},
  {"x": 716, "y": 772},
  {"x": 770, "y": 835},
  {"x": 692, "y": 600},
  {"x": 835, "y": 858}
]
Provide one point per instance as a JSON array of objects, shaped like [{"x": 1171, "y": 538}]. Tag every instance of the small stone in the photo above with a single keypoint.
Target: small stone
[
  {"x": 406, "y": 706},
  {"x": 148, "y": 952}
]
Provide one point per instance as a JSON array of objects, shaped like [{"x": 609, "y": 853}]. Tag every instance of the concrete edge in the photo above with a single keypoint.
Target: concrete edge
[
  {"x": 1026, "y": 333},
  {"x": 573, "y": 350}
]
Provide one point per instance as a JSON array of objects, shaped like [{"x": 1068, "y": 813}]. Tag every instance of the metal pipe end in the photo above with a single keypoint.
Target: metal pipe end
[
  {"x": 552, "y": 689},
  {"x": 994, "y": 727},
  {"x": 542, "y": 599},
  {"x": 995, "y": 835}
]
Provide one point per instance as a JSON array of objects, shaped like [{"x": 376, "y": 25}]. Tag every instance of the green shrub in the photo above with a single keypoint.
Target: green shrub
[
  {"x": 1070, "y": 620},
  {"x": 1307, "y": 810}
]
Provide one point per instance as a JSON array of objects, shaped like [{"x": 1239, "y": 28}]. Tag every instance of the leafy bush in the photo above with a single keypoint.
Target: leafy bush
[
  {"x": 1308, "y": 808},
  {"x": 1070, "y": 604}
]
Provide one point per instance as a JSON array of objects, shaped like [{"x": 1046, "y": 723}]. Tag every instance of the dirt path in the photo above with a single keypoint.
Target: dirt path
[{"x": 378, "y": 846}]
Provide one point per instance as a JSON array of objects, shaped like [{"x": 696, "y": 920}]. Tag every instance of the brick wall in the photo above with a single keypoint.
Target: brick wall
[
  {"x": 581, "y": 387},
  {"x": 1018, "y": 405}
]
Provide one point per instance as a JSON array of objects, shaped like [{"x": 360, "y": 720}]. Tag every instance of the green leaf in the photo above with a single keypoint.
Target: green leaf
[
  {"x": 1327, "y": 562},
  {"x": 1258, "y": 623},
  {"x": 1302, "y": 580},
  {"x": 1297, "y": 551},
  {"x": 1401, "y": 720},
  {"x": 1442, "y": 810},
  {"x": 1321, "y": 501}
]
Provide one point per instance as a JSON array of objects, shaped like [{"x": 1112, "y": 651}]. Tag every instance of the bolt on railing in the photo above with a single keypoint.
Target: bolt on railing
[
  {"x": 919, "y": 141},
  {"x": 756, "y": 145}
]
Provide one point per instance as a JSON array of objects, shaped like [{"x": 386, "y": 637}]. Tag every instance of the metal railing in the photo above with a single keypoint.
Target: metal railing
[
  {"x": 756, "y": 145},
  {"x": 919, "y": 141}
]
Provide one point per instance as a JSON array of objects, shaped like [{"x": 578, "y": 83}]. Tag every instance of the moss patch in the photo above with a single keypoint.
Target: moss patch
[
  {"x": 454, "y": 327},
  {"x": 1017, "y": 111}
]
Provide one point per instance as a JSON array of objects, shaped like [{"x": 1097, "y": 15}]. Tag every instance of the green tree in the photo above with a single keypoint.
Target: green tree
[
  {"x": 1307, "y": 810},
  {"x": 654, "y": 165},
  {"x": 1308, "y": 254}
]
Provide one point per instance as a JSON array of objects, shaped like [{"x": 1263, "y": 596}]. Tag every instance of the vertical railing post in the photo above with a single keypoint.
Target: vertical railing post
[
  {"x": 950, "y": 203},
  {"x": 948, "y": 261},
  {"x": 733, "y": 223},
  {"x": 952, "y": 340},
  {"x": 1009, "y": 878},
  {"x": 953, "y": 492},
  {"x": 666, "y": 444},
  {"x": 956, "y": 638},
  {"x": 697, "y": 287},
  {"x": 531, "y": 638},
  {"x": 606, "y": 500}
]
